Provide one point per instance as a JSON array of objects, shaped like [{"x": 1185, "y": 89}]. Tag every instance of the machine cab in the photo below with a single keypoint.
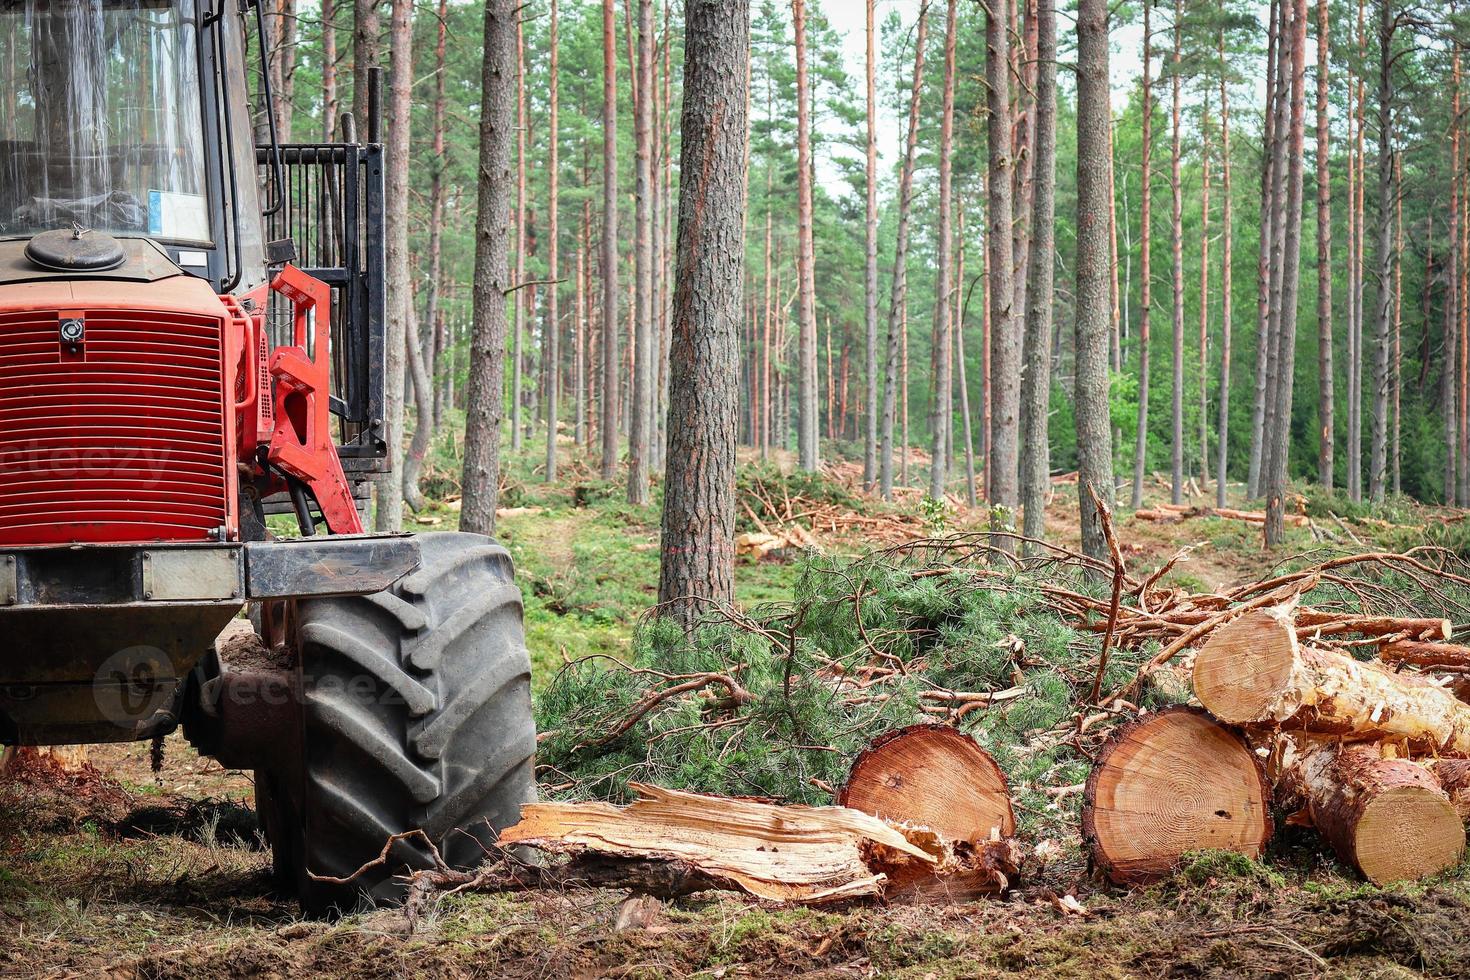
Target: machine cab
[{"x": 121, "y": 116}]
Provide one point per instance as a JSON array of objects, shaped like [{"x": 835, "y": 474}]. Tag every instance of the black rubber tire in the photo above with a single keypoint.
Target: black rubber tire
[{"x": 416, "y": 715}]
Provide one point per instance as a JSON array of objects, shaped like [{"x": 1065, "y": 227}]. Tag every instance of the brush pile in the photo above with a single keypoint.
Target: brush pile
[{"x": 793, "y": 511}]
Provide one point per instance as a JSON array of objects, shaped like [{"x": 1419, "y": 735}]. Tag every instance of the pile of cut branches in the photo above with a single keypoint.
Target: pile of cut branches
[{"x": 789, "y": 509}]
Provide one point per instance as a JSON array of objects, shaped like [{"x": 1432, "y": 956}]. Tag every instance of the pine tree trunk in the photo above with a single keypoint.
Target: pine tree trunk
[
  {"x": 1263, "y": 257},
  {"x": 283, "y": 83},
  {"x": 1396, "y": 372},
  {"x": 699, "y": 492},
  {"x": 1003, "y": 491},
  {"x": 1176, "y": 241},
  {"x": 553, "y": 256},
  {"x": 640, "y": 416},
  {"x": 807, "y": 442},
  {"x": 897, "y": 346},
  {"x": 1383, "y": 259},
  {"x": 972, "y": 496},
  {"x": 518, "y": 299},
  {"x": 942, "y": 421},
  {"x": 1279, "y": 231},
  {"x": 1326, "y": 406},
  {"x": 1094, "y": 431},
  {"x": 1222, "y": 426},
  {"x": 870, "y": 267},
  {"x": 1145, "y": 286},
  {"x": 425, "y": 351},
  {"x": 389, "y": 515},
  {"x": 1454, "y": 465},
  {"x": 1204, "y": 305},
  {"x": 434, "y": 317},
  {"x": 366, "y": 55},
  {"x": 1036, "y": 381},
  {"x": 329, "y": 70},
  {"x": 1355, "y": 408},
  {"x": 609, "y": 243},
  {"x": 1290, "y": 281},
  {"x": 484, "y": 399}
]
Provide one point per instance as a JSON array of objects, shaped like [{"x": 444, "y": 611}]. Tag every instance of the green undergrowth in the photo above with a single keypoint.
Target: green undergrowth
[{"x": 858, "y": 649}]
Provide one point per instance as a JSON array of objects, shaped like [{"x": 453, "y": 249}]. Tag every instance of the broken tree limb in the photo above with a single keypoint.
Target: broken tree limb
[
  {"x": 1323, "y": 621},
  {"x": 1254, "y": 672},
  {"x": 1388, "y": 818},
  {"x": 799, "y": 854},
  {"x": 1171, "y": 782},
  {"x": 932, "y": 776}
]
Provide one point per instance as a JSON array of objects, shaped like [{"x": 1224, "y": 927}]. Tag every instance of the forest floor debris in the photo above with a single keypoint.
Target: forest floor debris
[{"x": 76, "y": 896}]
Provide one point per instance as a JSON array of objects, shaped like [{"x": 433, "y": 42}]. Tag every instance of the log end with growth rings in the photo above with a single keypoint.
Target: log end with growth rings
[
  {"x": 932, "y": 776},
  {"x": 1172, "y": 782},
  {"x": 1242, "y": 674},
  {"x": 1407, "y": 833}
]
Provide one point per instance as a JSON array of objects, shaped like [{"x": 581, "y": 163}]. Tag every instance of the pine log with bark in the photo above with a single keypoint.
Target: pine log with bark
[
  {"x": 1041, "y": 267},
  {"x": 697, "y": 544},
  {"x": 1094, "y": 312},
  {"x": 484, "y": 399},
  {"x": 1254, "y": 671},
  {"x": 1172, "y": 782},
  {"x": 1388, "y": 818}
]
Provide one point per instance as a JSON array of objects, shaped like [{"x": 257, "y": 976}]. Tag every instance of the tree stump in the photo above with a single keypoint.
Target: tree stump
[
  {"x": 1388, "y": 818},
  {"x": 932, "y": 776},
  {"x": 1171, "y": 782}
]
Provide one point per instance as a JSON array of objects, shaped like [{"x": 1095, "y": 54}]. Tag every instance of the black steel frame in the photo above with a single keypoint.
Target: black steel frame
[{"x": 331, "y": 215}]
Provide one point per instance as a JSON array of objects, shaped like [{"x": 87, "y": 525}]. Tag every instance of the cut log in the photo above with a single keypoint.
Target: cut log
[
  {"x": 1454, "y": 779},
  {"x": 679, "y": 842},
  {"x": 1254, "y": 672},
  {"x": 932, "y": 776},
  {"x": 1171, "y": 782},
  {"x": 1159, "y": 516},
  {"x": 1388, "y": 818},
  {"x": 1434, "y": 656},
  {"x": 1258, "y": 516}
]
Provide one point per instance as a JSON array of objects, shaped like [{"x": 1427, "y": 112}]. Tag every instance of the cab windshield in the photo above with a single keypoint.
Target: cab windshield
[{"x": 100, "y": 118}]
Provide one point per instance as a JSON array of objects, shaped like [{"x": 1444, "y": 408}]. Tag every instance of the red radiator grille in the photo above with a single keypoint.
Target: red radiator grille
[{"x": 123, "y": 442}]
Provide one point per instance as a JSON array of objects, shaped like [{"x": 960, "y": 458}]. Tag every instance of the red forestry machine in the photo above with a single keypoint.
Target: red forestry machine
[{"x": 192, "y": 338}]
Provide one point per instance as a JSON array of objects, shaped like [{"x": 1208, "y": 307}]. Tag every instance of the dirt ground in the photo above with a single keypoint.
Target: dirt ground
[{"x": 113, "y": 871}]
